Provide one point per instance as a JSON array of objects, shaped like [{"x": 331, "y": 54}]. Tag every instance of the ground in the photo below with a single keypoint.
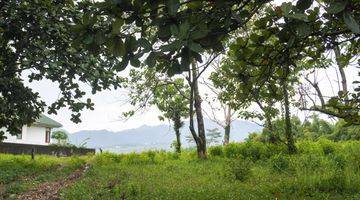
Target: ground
[{"x": 321, "y": 170}]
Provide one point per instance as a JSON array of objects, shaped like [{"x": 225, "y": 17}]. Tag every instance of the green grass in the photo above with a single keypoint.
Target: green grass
[
  {"x": 18, "y": 173},
  {"x": 321, "y": 170}
]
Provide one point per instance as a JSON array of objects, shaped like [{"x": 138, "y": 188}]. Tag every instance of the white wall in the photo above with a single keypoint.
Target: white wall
[{"x": 30, "y": 135}]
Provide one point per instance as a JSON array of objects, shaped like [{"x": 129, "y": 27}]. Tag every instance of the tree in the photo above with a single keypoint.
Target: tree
[
  {"x": 225, "y": 105},
  {"x": 173, "y": 35},
  {"x": 213, "y": 136},
  {"x": 269, "y": 53},
  {"x": 60, "y": 136},
  {"x": 37, "y": 42},
  {"x": 171, "y": 96}
]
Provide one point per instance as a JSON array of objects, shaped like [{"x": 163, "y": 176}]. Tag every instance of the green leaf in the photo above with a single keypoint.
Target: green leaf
[
  {"x": 99, "y": 38},
  {"x": 303, "y": 29},
  {"x": 184, "y": 30},
  {"x": 336, "y": 7},
  {"x": 195, "y": 47},
  {"x": 299, "y": 16},
  {"x": 135, "y": 62},
  {"x": 351, "y": 23},
  {"x": 286, "y": 8},
  {"x": 201, "y": 33},
  {"x": 172, "y": 46},
  {"x": 88, "y": 39},
  {"x": 172, "y": 6},
  {"x": 174, "y": 29},
  {"x": 150, "y": 60},
  {"x": 303, "y": 4},
  {"x": 116, "y": 26},
  {"x": 118, "y": 47},
  {"x": 130, "y": 44},
  {"x": 145, "y": 44},
  {"x": 120, "y": 66}
]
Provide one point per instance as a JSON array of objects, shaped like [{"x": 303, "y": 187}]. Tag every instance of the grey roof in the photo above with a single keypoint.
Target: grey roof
[{"x": 45, "y": 121}]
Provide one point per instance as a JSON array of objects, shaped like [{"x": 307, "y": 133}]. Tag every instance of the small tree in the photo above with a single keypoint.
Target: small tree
[
  {"x": 213, "y": 136},
  {"x": 61, "y": 136}
]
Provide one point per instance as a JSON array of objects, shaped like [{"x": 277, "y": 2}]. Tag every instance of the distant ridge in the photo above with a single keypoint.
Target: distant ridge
[{"x": 150, "y": 137}]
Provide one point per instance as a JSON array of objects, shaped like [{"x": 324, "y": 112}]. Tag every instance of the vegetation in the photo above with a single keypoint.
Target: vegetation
[
  {"x": 61, "y": 137},
  {"x": 271, "y": 57},
  {"x": 19, "y": 173},
  {"x": 251, "y": 170}
]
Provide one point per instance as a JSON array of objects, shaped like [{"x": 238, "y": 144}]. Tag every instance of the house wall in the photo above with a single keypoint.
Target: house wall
[{"x": 30, "y": 135}]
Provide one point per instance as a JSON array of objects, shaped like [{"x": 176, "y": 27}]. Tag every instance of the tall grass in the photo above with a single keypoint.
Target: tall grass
[{"x": 250, "y": 170}]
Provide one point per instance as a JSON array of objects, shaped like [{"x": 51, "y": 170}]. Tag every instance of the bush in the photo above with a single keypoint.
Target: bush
[
  {"x": 279, "y": 162},
  {"x": 327, "y": 146},
  {"x": 216, "y": 151},
  {"x": 232, "y": 150},
  {"x": 239, "y": 169}
]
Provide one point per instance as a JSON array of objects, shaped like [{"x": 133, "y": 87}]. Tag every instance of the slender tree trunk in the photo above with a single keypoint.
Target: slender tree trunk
[
  {"x": 227, "y": 134},
  {"x": 178, "y": 141},
  {"x": 288, "y": 131},
  {"x": 177, "y": 125},
  {"x": 227, "y": 126},
  {"x": 341, "y": 67},
  {"x": 272, "y": 138},
  {"x": 201, "y": 146}
]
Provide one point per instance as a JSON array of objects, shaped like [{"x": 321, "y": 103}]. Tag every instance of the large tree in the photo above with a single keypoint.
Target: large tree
[
  {"x": 170, "y": 35},
  {"x": 36, "y": 42}
]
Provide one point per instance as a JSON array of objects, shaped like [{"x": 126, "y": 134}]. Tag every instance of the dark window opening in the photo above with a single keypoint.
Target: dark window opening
[{"x": 47, "y": 135}]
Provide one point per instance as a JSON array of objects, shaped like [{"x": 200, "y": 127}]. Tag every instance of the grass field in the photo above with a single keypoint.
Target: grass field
[
  {"x": 19, "y": 173},
  {"x": 321, "y": 170}
]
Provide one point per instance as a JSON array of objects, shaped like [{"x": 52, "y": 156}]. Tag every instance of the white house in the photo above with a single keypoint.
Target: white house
[{"x": 38, "y": 133}]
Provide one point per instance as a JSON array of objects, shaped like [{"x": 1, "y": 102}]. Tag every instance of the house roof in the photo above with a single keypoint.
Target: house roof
[{"x": 45, "y": 121}]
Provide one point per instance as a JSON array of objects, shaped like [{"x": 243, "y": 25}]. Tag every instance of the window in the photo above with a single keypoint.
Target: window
[
  {"x": 19, "y": 136},
  {"x": 47, "y": 135}
]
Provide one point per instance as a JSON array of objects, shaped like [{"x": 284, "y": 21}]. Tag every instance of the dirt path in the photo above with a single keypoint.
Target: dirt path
[{"x": 50, "y": 190}]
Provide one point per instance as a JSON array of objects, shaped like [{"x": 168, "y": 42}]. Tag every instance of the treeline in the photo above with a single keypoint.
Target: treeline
[{"x": 313, "y": 129}]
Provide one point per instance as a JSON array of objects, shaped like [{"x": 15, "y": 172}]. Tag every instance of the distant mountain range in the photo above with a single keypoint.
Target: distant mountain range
[{"x": 151, "y": 137}]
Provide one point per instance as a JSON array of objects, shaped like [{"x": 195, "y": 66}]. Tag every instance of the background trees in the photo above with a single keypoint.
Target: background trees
[{"x": 61, "y": 136}]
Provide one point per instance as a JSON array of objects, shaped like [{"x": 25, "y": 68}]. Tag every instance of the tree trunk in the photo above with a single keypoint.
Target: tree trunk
[
  {"x": 201, "y": 146},
  {"x": 341, "y": 67},
  {"x": 178, "y": 141},
  {"x": 227, "y": 125},
  {"x": 288, "y": 131},
  {"x": 177, "y": 125},
  {"x": 227, "y": 134},
  {"x": 272, "y": 138}
]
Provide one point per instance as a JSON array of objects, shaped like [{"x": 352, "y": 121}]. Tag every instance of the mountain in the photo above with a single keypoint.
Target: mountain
[{"x": 151, "y": 137}]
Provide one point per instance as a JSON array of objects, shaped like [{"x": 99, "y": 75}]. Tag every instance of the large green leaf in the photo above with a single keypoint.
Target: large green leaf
[
  {"x": 336, "y": 7},
  {"x": 116, "y": 26},
  {"x": 195, "y": 47},
  {"x": 351, "y": 23},
  {"x": 303, "y": 4},
  {"x": 303, "y": 29},
  {"x": 299, "y": 16},
  {"x": 286, "y": 8},
  {"x": 172, "y": 6}
]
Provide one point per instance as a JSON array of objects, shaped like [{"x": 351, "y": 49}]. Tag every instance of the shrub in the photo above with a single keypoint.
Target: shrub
[
  {"x": 279, "y": 162},
  {"x": 232, "y": 150},
  {"x": 239, "y": 169},
  {"x": 216, "y": 151},
  {"x": 327, "y": 146}
]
